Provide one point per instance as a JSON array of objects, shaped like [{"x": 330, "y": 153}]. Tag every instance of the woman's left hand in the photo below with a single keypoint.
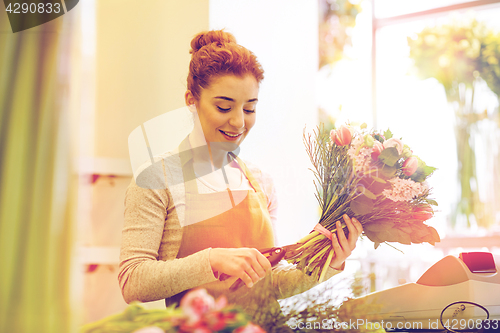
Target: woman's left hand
[{"x": 343, "y": 246}]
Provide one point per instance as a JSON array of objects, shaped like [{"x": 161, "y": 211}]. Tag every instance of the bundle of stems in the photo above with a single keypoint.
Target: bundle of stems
[{"x": 335, "y": 184}]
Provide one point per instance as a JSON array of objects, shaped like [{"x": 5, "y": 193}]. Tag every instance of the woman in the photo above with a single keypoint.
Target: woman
[{"x": 216, "y": 211}]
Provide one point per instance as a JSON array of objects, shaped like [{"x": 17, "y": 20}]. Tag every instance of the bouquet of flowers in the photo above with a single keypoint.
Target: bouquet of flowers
[
  {"x": 198, "y": 312},
  {"x": 373, "y": 177}
]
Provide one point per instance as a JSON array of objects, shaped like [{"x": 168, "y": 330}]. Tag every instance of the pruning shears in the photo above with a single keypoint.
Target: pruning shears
[{"x": 273, "y": 254}]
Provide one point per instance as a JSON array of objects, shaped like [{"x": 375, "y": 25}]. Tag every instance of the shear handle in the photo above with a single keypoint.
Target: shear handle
[{"x": 273, "y": 254}]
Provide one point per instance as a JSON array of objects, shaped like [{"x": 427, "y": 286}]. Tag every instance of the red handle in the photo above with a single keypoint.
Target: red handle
[{"x": 273, "y": 254}]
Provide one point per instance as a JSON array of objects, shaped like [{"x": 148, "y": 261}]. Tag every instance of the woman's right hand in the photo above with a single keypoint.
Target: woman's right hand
[{"x": 245, "y": 263}]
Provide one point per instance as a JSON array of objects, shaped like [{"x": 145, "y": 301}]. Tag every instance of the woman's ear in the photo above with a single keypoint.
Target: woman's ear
[{"x": 190, "y": 100}]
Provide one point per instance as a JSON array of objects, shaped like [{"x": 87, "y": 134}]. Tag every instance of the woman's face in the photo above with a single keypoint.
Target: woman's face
[{"x": 226, "y": 109}]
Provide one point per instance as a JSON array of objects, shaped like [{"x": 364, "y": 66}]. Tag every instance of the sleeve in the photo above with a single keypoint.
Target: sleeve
[
  {"x": 151, "y": 238},
  {"x": 287, "y": 279}
]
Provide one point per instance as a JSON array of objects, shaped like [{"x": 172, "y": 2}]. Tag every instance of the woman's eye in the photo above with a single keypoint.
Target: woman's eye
[
  {"x": 223, "y": 109},
  {"x": 250, "y": 111}
]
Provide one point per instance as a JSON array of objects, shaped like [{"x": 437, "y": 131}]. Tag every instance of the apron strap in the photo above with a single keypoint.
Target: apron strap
[
  {"x": 251, "y": 179},
  {"x": 186, "y": 157},
  {"x": 188, "y": 174}
]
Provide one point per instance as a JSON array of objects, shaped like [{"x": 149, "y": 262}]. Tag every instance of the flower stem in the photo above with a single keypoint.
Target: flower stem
[
  {"x": 311, "y": 241},
  {"x": 312, "y": 234},
  {"x": 320, "y": 253},
  {"x": 327, "y": 263}
]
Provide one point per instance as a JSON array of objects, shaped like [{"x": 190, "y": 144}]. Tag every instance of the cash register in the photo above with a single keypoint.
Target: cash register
[{"x": 456, "y": 294}]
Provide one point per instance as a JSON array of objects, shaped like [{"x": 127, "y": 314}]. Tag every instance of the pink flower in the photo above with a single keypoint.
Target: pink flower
[
  {"x": 377, "y": 149},
  {"x": 218, "y": 320},
  {"x": 217, "y": 323},
  {"x": 202, "y": 330},
  {"x": 220, "y": 303},
  {"x": 410, "y": 166},
  {"x": 196, "y": 303},
  {"x": 342, "y": 136},
  {"x": 332, "y": 135},
  {"x": 393, "y": 142},
  {"x": 423, "y": 213},
  {"x": 249, "y": 328},
  {"x": 197, "y": 327}
]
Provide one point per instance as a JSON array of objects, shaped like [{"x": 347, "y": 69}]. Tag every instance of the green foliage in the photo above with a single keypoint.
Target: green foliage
[
  {"x": 457, "y": 53},
  {"x": 488, "y": 66},
  {"x": 432, "y": 202},
  {"x": 389, "y": 156},
  {"x": 337, "y": 17},
  {"x": 333, "y": 171},
  {"x": 388, "y": 171},
  {"x": 134, "y": 317},
  {"x": 362, "y": 205},
  {"x": 423, "y": 171},
  {"x": 388, "y": 134},
  {"x": 379, "y": 138}
]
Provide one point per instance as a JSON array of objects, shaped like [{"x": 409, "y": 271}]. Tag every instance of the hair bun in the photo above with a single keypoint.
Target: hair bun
[{"x": 209, "y": 37}]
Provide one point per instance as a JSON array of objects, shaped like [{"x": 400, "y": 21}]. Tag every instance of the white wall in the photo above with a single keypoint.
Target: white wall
[
  {"x": 284, "y": 36},
  {"x": 142, "y": 64}
]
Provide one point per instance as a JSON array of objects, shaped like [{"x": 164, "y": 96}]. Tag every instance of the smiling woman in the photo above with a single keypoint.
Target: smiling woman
[
  {"x": 226, "y": 109},
  {"x": 216, "y": 211}
]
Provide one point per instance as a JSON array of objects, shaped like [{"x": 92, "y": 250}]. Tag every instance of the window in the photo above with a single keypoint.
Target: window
[{"x": 418, "y": 111}]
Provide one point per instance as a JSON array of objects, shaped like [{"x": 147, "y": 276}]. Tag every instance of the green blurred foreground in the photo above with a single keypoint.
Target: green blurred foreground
[{"x": 35, "y": 210}]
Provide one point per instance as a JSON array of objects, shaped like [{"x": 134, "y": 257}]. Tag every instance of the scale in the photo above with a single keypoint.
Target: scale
[{"x": 456, "y": 294}]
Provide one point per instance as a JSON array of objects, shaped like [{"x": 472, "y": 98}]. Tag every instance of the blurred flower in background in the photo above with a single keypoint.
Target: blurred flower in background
[
  {"x": 463, "y": 54},
  {"x": 337, "y": 18}
]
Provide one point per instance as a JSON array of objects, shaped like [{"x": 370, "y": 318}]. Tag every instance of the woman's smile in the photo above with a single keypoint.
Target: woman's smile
[{"x": 231, "y": 135}]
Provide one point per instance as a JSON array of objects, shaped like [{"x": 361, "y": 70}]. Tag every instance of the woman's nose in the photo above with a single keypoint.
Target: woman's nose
[{"x": 237, "y": 119}]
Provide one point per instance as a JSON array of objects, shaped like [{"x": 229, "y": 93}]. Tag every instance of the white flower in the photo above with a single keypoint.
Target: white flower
[
  {"x": 360, "y": 156},
  {"x": 404, "y": 189}
]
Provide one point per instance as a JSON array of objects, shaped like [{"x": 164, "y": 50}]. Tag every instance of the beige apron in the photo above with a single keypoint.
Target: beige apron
[{"x": 246, "y": 224}]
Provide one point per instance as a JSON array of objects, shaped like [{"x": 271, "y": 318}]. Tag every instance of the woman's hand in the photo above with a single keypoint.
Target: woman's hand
[
  {"x": 247, "y": 264},
  {"x": 343, "y": 246}
]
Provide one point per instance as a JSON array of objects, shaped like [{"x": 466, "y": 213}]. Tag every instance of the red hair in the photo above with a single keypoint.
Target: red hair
[{"x": 216, "y": 53}]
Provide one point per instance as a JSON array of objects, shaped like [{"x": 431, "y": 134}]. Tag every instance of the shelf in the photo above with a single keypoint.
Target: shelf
[
  {"x": 99, "y": 255},
  {"x": 105, "y": 166}
]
